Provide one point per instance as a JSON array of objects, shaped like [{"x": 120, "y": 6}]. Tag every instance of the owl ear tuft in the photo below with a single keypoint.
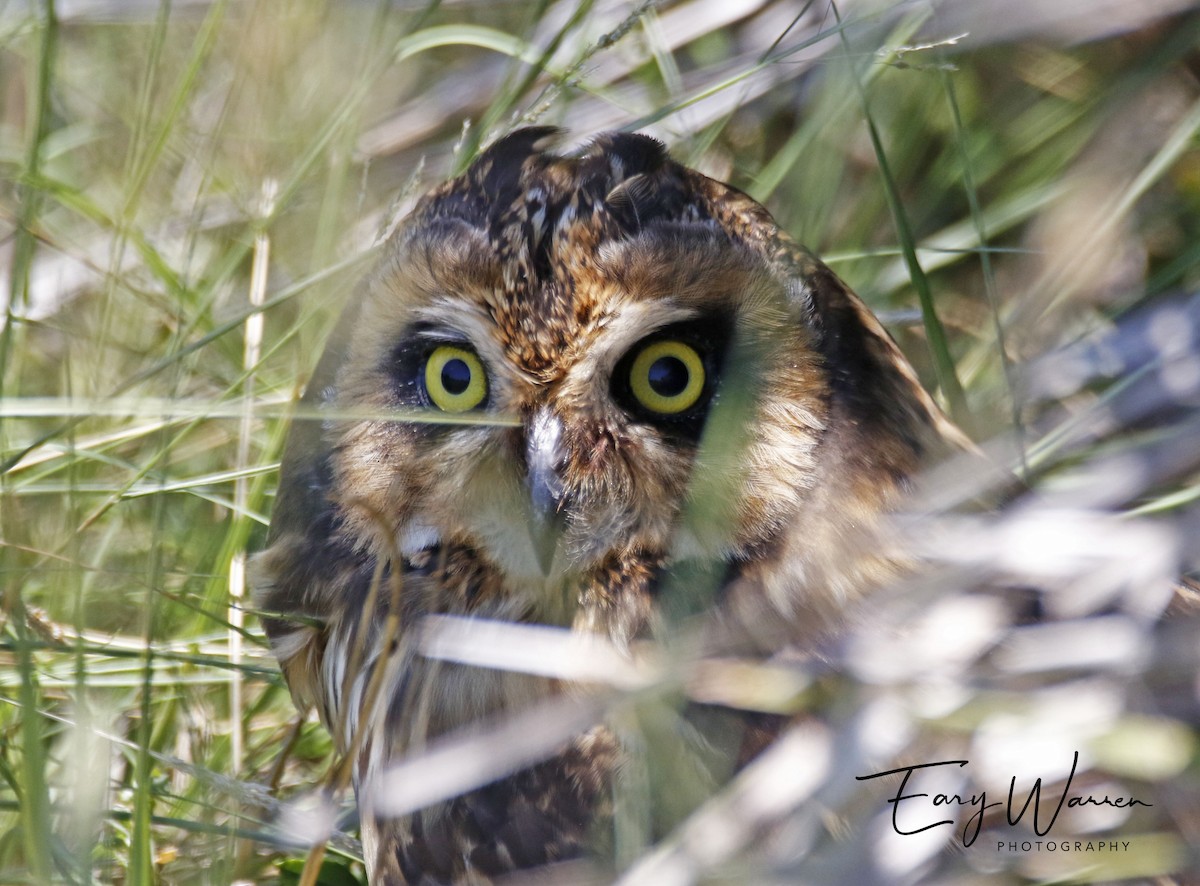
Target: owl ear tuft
[
  {"x": 511, "y": 150},
  {"x": 628, "y": 153},
  {"x": 493, "y": 180}
]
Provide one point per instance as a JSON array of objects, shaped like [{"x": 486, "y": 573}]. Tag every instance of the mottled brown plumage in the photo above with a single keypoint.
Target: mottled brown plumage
[{"x": 560, "y": 279}]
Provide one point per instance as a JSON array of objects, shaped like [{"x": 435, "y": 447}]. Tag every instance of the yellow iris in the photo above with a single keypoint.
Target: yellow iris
[
  {"x": 454, "y": 379},
  {"x": 667, "y": 377}
]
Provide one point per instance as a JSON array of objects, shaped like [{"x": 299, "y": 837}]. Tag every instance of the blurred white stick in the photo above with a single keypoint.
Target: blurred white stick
[{"x": 237, "y": 566}]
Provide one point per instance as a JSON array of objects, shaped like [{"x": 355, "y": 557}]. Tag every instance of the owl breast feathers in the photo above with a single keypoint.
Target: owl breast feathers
[{"x": 570, "y": 378}]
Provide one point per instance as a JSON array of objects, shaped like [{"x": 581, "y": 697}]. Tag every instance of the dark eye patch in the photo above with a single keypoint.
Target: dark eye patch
[
  {"x": 668, "y": 376},
  {"x": 407, "y": 360}
]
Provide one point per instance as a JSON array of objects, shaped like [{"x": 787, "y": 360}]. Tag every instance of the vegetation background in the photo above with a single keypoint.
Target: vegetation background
[{"x": 189, "y": 190}]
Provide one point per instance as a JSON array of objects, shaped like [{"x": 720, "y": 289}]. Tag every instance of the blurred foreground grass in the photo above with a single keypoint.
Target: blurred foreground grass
[{"x": 189, "y": 191}]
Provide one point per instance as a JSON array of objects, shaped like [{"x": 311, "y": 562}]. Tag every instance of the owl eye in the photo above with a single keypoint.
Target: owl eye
[
  {"x": 667, "y": 377},
  {"x": 455, "y": 379}
]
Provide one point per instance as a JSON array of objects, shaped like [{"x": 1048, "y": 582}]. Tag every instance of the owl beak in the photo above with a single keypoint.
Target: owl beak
[{"x": 543, "y": 455}]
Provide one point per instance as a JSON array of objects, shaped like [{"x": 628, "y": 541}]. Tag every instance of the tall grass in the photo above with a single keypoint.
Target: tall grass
[{"x": 189, "y": 191}]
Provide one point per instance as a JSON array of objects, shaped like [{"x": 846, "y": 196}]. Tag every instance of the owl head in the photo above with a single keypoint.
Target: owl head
[{"x": 596, "y": 364}]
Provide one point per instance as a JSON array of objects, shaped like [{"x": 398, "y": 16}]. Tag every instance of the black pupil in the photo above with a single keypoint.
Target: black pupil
[
  {"x": 456, "y": 376},
  {"x": 668, "y": 376}
]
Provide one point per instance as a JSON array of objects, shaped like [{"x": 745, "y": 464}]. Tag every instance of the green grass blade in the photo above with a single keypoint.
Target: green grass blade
[{"x": 939, "y": 345}]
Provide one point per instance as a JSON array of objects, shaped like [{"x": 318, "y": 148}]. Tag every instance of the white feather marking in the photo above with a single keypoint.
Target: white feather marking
[{"x": 417, "y": 537}]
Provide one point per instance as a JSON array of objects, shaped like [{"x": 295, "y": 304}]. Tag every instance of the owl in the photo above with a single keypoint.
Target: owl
[{"x": 571, "y": 378}]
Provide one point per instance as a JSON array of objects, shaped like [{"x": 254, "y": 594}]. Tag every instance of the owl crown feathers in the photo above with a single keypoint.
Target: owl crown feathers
[{"x": 516, "y": 179}]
